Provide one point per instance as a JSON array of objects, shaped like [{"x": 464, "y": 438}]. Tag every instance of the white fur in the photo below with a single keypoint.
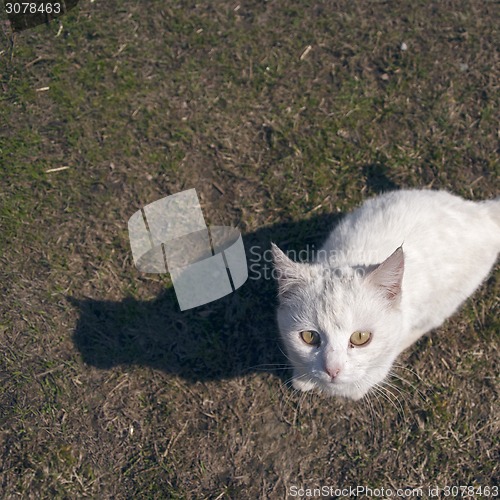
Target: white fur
[{"x": 449, "y": 246}]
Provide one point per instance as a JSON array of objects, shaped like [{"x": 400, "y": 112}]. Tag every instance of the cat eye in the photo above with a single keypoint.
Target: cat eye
[
  {"x": 360, "y": 338},
  {"x": 310, "y": 337}
]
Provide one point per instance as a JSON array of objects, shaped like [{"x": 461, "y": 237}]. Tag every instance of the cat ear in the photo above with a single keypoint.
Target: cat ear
[
  {"x": 289, "y": 274},
  {"x": 389, "y": 275}
]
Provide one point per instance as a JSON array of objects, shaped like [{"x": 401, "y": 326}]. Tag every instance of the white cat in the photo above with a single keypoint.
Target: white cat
[{"x": 392, "y": 270}]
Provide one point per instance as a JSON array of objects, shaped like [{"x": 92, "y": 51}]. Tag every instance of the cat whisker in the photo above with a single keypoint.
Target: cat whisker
[
  {"x": 407, "y": 382},
  {"x": 289, "y": 381},
  {"x": 393, "y": 374},
  {"x": 428, "y": 387},
  {"x": 387, "y": 385},
  {"x": 392, "y": 398},
  {"x": 366, "y": 399},
  {"x": 302, "y": 398},
  {"x": 299, "y": 377},
  {"x": 270, "y": 367},
  {"x": 413, "y": 372},
  {"x": 288, "y": 397},
  {"x": 286, "y": 356},
  {"x": 375, "y": 395},
  {"x": 294, "y": 392},
  {"x": 385, "y": 395},
  {"x": 399, "y": 390}
]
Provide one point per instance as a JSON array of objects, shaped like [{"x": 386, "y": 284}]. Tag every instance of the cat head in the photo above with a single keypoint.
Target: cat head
[{"x": 341, "y": 326}]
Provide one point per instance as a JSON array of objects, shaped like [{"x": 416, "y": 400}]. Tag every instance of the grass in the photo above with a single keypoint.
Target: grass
[{"x": 108, "y": 390}]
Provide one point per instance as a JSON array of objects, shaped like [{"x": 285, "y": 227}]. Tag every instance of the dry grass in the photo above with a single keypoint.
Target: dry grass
[{"x": 282, "y": 116}]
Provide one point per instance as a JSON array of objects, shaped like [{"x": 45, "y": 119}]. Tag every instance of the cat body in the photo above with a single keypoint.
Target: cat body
[{"x": 392, "y": 270}]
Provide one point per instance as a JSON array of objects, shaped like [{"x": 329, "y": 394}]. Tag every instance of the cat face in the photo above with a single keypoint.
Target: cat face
[{"x": 341, "y": 327}]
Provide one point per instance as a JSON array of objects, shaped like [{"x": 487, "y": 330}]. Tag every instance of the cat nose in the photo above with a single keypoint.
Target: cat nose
[{"x": 333, "y": 372}]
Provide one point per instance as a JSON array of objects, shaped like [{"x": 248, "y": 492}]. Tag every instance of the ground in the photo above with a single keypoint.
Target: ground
[{"x": 283, "y": 116}]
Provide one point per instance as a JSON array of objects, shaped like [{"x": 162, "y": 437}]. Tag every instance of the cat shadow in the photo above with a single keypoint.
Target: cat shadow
[
  {"x": 377, "y": 180},
  {"x": 232, "y": 336}
]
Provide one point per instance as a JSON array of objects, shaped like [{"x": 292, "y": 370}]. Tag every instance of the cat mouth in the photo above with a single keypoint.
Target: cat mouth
[
  {"x": 342, "y": 388},
  {"x": 329, "y": 381}
]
